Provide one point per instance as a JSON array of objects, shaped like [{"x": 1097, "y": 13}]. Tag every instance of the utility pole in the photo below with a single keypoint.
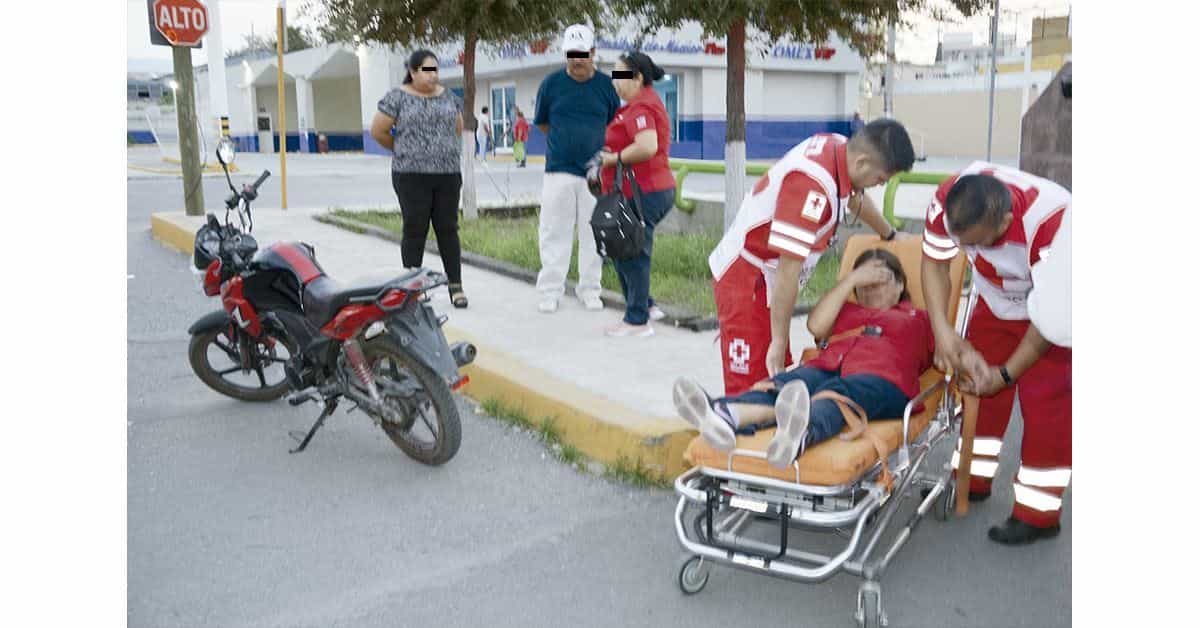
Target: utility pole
[
  {"x": 189, "y": 144},
  {"x": 281, "y": 88},
  {"x": 992, "y": 87}
]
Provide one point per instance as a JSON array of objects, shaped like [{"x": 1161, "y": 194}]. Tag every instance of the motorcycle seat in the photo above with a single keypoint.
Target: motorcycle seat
[{"x": 324, "y": 296}]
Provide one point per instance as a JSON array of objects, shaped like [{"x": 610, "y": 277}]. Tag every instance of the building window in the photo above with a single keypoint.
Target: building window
[{"x": 668, "y": 91}]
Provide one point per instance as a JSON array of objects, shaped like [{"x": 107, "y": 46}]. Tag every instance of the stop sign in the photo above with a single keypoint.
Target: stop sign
[{"x": 182, "y": 22}]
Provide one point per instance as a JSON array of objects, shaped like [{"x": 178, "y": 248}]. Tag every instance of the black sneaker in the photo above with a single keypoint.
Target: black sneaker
[
  {"x": 971, "y": 497},
  {"x": 1017, "y": 532}
]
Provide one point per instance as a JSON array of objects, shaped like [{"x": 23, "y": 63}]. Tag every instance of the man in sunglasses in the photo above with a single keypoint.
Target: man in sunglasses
[{"x": 574, "y": 106}]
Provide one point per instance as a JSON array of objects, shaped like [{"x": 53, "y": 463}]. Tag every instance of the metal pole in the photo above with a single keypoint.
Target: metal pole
[
  {"x": 279, "y": 30},
  {"x": 218, "y": 98},
  {"x": 992, "y": 86},
  {"x": 889, "y": 88}
]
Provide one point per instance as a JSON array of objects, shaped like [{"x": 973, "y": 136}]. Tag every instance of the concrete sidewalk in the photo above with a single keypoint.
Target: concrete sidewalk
[{"x": 611, "y": 397}]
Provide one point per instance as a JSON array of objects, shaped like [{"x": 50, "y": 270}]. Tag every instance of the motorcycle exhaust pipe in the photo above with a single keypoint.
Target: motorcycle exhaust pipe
[{"x": 463, "y": 352}]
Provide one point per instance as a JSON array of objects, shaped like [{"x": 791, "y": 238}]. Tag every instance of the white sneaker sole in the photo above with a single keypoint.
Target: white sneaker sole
[
  {"x": 692, "y": 404},
  {"x": 547, "y": 308},
  {"x": 791, "y": 416},
  {"x": 630, "y": 333}
]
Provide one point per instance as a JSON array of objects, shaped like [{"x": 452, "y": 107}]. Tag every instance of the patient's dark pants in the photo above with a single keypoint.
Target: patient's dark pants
[{"x": 879, "y": 398}]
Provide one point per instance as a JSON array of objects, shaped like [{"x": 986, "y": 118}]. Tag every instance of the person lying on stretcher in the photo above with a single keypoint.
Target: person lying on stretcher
[{"x": 873, "y": 354}]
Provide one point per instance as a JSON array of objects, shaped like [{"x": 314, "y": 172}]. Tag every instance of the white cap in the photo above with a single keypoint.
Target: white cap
[{"x": 578, "y": 37}]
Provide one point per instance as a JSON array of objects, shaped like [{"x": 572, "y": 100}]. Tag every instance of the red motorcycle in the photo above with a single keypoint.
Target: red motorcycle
[{"x": 286, "y": 327}]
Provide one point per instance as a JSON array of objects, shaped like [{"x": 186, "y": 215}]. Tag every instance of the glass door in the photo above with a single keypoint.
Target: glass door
[
  {"x": 504, "y": 99},
  {"x": 668, "y": 91}
]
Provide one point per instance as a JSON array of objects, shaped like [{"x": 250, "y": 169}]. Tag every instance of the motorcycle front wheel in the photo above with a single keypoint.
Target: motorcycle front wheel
[
  {"x": 220, "y": 360},
  {"x": 430, "y": 430}
]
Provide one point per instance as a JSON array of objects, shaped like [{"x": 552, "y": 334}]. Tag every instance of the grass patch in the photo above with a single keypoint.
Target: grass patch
[
  {"x": 546, "y": 430},
  {"x": 679, "y": 274},
  {"x": 633, "y": 472}
]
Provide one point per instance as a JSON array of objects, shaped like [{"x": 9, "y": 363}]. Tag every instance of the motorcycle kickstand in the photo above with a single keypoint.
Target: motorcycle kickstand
[{"x": 330, "y": 406}]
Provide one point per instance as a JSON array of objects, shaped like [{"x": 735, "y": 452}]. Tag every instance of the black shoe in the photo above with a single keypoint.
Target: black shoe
[
  {"x": 978, "y": 497},
  {"x": 971, "y": 497},
  {"x": 1017, "y": 532}
]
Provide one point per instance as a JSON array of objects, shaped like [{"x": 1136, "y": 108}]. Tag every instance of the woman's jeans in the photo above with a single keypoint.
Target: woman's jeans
[
  {"x": 879, "y": 398},
  {"x": 634, "y": 273}
]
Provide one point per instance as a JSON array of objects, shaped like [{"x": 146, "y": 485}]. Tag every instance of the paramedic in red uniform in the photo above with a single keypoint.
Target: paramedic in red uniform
[
  {"x": 783, "y": 226},
  {"x": 1006, "y": 221}
]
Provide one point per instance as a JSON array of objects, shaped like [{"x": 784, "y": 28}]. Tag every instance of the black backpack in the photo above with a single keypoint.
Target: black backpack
[{"x": 617, "y": 222}]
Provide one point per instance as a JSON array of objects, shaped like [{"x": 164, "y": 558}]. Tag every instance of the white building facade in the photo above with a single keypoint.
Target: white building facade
[{"x": 791, "y": 91}]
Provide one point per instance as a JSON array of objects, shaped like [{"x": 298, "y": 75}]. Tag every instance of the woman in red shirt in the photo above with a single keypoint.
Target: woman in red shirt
[
  {"x": 640, "y": 137},
  {"x": 877, "y": 349},
  {"x": 520, "y": 136}
]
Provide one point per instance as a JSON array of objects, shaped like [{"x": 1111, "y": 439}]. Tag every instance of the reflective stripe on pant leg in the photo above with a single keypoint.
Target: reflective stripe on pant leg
[
  {"x": 1045, "y": 396},
  {"x": 555, "y": 229}
]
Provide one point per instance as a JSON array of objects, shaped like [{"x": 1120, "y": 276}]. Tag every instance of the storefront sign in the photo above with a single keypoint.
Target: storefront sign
[{"x": 802, "y": 51}]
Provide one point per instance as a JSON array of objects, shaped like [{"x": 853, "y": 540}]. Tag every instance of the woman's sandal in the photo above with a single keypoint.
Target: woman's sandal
[{"x": 457, "y": 297}]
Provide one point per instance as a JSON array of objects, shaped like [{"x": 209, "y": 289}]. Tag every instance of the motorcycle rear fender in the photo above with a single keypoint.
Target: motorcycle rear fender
[
  {"x": 210, "y": 322},
  {"x": 417, "y": 332}
]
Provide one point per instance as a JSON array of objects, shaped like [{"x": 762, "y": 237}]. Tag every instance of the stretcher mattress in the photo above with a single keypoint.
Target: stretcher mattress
[{"x": 832, "y": 463}]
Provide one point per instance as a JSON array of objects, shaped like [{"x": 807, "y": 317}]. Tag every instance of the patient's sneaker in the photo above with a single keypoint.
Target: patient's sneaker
[
  {"x": 791, "y": 418},
  {"x": 1017, "y": 532},
  {"x": 695, "y": 406}
]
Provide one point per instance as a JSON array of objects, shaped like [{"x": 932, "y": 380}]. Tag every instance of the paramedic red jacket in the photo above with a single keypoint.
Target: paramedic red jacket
[
  {"x": 900, "y": 353},
  {"x": 644, "y": 113}
]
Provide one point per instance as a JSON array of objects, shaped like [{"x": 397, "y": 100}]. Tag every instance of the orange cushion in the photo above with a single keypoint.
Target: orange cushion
[{"x": 831, "y": 463}]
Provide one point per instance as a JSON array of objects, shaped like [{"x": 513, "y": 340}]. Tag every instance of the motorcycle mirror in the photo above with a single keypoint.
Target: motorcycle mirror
[{"x": 226, "y": 151}]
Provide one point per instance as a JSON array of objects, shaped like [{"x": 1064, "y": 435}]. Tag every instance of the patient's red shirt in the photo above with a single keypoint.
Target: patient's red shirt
[{"x": 900, "y": 354}]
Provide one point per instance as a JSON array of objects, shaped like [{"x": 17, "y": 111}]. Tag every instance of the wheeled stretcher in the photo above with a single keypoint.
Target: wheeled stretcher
[{"x": 735, "y": 509}]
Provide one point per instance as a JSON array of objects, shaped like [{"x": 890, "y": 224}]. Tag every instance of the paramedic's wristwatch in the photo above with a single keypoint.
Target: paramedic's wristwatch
[
  {"x": 891, "y": 236},
  {"x": 1005, "y": 376}
]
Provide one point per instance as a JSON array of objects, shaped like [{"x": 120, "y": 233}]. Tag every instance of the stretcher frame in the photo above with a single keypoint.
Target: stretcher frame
[{"x": 731, "y": 502}]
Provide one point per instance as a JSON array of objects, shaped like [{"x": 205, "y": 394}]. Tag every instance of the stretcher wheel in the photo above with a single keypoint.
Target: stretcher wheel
[
  {"x": 693, "y": 575},
  {"x": 870, "y": 607},
  {"x": 944, "y": 506}
]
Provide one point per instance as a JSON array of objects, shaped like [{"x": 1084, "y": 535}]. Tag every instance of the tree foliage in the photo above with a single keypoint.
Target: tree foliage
[{"x": 860, "y": 23}]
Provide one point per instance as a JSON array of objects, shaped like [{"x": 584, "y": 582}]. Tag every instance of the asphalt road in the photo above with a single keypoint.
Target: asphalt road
[{"x": 225, "y": 528}]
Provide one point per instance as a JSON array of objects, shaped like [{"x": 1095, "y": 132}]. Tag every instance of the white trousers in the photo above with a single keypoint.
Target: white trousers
[{"x": 566, "y": 209}]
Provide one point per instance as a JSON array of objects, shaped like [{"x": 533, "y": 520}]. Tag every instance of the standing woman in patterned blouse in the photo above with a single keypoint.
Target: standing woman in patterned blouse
[{"x": 426, "y": 163}]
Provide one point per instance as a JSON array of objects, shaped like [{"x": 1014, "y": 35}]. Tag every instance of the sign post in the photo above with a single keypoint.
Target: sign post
[
  {"x": 181, "y": 24},
  {"x": 279, "y": 41}
]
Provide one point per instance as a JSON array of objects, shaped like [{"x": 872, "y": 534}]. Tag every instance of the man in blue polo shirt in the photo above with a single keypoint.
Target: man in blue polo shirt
[{"x": 574, "y": 106}]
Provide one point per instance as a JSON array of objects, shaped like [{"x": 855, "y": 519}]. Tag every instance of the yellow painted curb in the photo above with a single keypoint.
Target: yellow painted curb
[
  {"x": 165, "y": 228},
  {"x": 601, "y": 428}
]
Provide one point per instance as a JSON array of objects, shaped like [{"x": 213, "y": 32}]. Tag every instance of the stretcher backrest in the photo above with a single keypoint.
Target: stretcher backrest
[{"x": 908, "y": 251}]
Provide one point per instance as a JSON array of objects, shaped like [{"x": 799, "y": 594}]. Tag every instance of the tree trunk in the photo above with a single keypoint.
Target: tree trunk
[
  {"x": 735, "y": 118},
  {"x": 470, "y": 208}
]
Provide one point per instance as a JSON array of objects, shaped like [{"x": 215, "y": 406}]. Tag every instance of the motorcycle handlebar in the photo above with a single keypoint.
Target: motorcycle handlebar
[{"x": 262, "y": 177}]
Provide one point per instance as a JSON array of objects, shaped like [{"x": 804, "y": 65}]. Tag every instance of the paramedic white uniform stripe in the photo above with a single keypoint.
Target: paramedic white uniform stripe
[
  {"x": 936, "y": 253},
  {"x": 983, "y": 446},
  {"x": 1048, "y": 478},
  {"x": 1038, "y": 500},
  {"x": 802, "y": 235},
  {"x": 939, "y": 241},
  {"x": 979, "y": 468},
  {"x": 788, "y": 244}
]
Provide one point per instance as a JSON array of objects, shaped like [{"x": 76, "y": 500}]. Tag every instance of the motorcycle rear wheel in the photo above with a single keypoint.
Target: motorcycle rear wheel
[
  {"x": 204, "y": 345},
  {"x": 431, "y": 410}
]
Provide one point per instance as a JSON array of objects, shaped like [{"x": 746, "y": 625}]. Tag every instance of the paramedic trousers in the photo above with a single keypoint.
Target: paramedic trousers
[
  {"x": 1044, "y": 392},
  {"x": 744, "y": 316},
  {"x": 634, "y": 273},
  {"x": 424, "y": 199},
  {"x": 567, "y": 206},
  {"x": 879, "y": 398}
]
